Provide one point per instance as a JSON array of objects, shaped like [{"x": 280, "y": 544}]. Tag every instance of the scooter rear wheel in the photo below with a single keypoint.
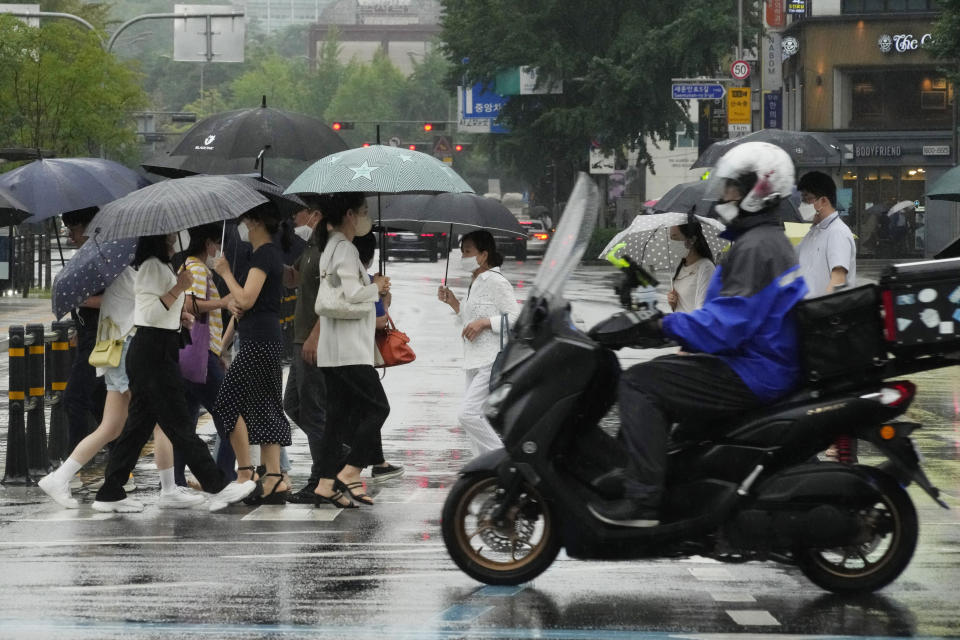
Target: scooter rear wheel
[
  {"x": 507, "y": 551},
  {"x": 889, "y": 538}
]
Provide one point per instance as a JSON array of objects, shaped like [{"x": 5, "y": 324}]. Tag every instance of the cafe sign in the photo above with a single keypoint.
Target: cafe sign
[{"x": 902, "y": 42}]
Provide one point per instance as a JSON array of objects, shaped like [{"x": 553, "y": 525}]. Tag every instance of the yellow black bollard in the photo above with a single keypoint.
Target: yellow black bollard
[
  {"x": 37, "y": 459},
  {"x": 58, "y": 444},
  {"x": 15, "y": 469}
]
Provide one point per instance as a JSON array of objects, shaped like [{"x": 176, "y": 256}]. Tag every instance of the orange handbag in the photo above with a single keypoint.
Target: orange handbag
[{"x": 393, "y": 345}]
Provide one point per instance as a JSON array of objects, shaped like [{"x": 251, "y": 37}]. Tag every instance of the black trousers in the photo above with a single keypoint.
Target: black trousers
[
  {"x": 157, "y": 396},
  {"x": 357, "y": 408},
  {"x": 677, "y": 388},
  {"x": 304, "y": 402},
  {"x": 85, "y": 394}
]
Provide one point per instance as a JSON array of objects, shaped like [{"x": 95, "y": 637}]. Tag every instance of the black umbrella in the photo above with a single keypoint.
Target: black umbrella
[
  {"x": 12, "y": 211},
  {"x": 253, "y": 136},
  {"x": 682, "y": 197},
  {"x": 50, "y": 187},
  {"x": 448, "y": 212},
  {"x": 952, "y": 250},
  {"x": 805, "y": 148}
]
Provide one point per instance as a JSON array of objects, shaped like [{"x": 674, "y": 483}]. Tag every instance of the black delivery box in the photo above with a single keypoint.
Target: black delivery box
[{"x": 921, "y": 304}]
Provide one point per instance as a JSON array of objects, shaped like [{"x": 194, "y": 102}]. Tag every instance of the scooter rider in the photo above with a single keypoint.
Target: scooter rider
[{"x": 741, "y": 349}]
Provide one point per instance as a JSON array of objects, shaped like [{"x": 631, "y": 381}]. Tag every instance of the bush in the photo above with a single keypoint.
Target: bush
[{"x": 601, "y": 238}]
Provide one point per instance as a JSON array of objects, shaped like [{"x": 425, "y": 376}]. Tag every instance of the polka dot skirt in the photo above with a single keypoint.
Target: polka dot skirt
[{"x": 251, "y": 389}]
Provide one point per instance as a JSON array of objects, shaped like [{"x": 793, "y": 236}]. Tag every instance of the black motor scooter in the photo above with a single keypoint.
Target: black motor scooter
[{"x": 749, "y": 490}]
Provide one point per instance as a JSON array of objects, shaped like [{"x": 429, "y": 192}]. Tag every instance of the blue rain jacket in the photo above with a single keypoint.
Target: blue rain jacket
[{"x": 746, "y": 319}]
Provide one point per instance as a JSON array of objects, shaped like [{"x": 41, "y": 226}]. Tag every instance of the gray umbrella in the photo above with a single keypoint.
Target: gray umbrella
[
  {"x": 379, "y": 169},
  {"x": 12, "y": 211},
  {"x": 173, "y": 205},
  {"x": 805, "y": 148},
  {"x": 682, "y": 197}
]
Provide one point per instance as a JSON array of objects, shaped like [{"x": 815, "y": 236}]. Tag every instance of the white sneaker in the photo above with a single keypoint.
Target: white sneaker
[
  {"x": 180, "y": 498},
  {"x": 233, "y": 492},
  {"x": 59, "y": 491},
  {"x": 127, "y": 505},
  {"x": 130, "y": 485}
]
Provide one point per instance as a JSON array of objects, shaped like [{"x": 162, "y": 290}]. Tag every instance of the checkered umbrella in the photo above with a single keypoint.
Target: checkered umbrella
[
  {"x": 648, "y": 239},
  {"x": 93, "y": 267},
  {"x": 174, "y": 205},
  {"x": 379, "y": 169}
]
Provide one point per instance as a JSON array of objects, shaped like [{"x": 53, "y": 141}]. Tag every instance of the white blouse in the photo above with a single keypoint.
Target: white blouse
[
  {"x": 154, "y": 280},
  {"x": 347, "y": 342},
  {"x": 691, "y": 284},
  {"x": 490, "y": 296},
  {"x": 118, "y": 305}
]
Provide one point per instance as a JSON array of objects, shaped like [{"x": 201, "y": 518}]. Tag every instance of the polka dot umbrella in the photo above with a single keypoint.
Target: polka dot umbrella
[{"x": 647, "y": 240}]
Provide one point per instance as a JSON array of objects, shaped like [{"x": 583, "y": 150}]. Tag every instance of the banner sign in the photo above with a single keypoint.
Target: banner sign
[
  {"x": 797, "y": 7},
  {"x": 772, "y": 110},
  {"x": 738, "y": 105}
]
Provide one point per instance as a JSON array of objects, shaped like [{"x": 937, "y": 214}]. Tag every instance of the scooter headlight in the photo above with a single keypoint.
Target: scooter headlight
[{"x": 491, "y": 406}]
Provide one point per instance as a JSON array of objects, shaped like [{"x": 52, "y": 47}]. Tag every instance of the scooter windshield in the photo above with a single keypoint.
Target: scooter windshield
[{"x": 570, "y": 240}]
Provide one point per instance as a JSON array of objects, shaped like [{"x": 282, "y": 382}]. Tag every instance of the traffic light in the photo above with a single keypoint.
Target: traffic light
[
  {"x": 434, "y": 126},
  {"x": 366, "y": 144},
  {"x": 462, "y": 147},
  {"x": 337, "y": 126}
]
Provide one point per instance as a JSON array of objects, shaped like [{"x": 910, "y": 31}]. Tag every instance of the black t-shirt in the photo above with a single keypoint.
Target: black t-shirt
[{"x": 262, "y": 321}]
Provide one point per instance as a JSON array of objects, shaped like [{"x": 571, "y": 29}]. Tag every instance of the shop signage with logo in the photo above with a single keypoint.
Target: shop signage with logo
[
  {"x": 772, "y": 49},
  {"x": 772, "y": 110},
  {"x": 877, "y": 150},
  {"x": 903, "y": 42},
  {"x": 797, "y": 6}
]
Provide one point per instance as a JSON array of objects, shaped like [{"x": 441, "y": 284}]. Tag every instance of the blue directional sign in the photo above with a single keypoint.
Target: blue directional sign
[
  {"x": 705, "y": 91},
  {"x": 480, "y": 102}
]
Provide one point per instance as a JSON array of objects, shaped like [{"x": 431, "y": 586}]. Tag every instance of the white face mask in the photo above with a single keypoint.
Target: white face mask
[
  {"x": 807, "y": 212},
  {"x": 303, "y": 231},
  {"x": 363, "y": 225},
  {"x": 728, "y": 211},
  {"x": 244, "y": 232},
  {"x": 469, "y": 264}
]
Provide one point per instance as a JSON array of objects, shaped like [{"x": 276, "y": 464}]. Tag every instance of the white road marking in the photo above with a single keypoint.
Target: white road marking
[
  {"x": 293, "y": 512},
  {"x": 138, "y": 586},
  {"x": 710, "y": 573},
  {"x": 730, "y": 596},
  {"x": 753, "y": 618},
  {"x": 335, "y": 554}
]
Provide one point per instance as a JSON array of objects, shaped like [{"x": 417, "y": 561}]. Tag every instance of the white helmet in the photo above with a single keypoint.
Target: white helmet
[{"x": 764, "y": 171}]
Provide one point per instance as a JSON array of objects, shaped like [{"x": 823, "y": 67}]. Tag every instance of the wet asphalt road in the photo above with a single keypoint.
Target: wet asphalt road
[{"x": 382, "y": 572}]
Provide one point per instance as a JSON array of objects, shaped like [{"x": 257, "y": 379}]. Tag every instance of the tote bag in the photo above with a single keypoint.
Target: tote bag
[
  {"x": 394, "y": 346},
  {"x": 193, "y": 355},
  {"x": 331, "y": 299}
]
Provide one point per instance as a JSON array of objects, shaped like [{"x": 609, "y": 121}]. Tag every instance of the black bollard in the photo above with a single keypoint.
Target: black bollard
[
  {"x": 15, "y": 469},
  {"x": 37, "y": 458},
  {"x": 58, "y": 445}
]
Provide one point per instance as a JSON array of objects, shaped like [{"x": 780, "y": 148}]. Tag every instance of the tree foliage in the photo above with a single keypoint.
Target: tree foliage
[
  {"x": 945, "y": 43},
  {"x": 59, "y": 90},
  {"x": 615, "y": 58}
]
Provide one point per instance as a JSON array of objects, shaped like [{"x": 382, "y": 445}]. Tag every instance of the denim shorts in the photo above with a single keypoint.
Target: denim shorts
[{"x": 116, "y": 377}]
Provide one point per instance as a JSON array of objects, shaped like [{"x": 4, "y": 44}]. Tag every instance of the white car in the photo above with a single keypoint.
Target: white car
[{"x": 538, "y": 236}]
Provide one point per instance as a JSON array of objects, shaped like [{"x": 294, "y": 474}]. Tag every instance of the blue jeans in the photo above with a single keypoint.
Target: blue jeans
[{"x": 205, "y": 395}]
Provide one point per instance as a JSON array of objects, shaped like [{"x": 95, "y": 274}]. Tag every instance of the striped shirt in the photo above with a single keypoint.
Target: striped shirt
[{"x": 203, "y": 288}]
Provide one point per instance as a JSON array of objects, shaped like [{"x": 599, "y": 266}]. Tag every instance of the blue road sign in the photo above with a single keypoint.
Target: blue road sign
[
  {"x": 712, "y": 91},
  {"x": 480, "y": 102}
]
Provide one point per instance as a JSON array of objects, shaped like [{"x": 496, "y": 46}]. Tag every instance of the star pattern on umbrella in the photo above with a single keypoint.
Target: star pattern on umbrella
[
  {"x": 405, "y": 157},
  {"x": 333, "y": 159},
  {"x": 363, "y": 171}
]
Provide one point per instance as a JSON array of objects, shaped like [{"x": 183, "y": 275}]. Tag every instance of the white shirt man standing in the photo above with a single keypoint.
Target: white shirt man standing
[{"x": 828, "y": 253}]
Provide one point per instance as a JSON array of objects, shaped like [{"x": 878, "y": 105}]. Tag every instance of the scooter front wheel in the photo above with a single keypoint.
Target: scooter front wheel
[{"x": 499, "y": 543}]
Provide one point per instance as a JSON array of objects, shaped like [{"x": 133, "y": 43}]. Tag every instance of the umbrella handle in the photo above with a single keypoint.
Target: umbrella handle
[
  {"x": 446, "y": 269},
  {"x": 223, "y": 236}
]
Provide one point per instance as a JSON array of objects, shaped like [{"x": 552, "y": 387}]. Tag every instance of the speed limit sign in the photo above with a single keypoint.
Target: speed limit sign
[{"x": 740, "y": 69}]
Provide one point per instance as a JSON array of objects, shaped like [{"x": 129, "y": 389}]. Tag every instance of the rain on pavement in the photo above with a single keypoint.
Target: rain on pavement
[{"x": 382, "y": 572}]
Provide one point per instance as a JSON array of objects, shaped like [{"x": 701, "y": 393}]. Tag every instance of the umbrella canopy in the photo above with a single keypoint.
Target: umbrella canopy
[
  {"x": 287, "y": 204},
  {"x": 461, "y": 211},
  {"x": 648, "y": 239},
  {"x": 379, "y": 169},
  {"x": 94, "y": 266},
  {"x": 901, "y": 206},
  {"x": 12, "y": 211},
  {"x": 49, "y": 187},
  {"x": 805, "y": 148},
  {"x": 946, "y": 187},
  {"x": 682, "y": 197},
  {"x": 173, "y": 205},
  {"x": 245, "y": 133}
]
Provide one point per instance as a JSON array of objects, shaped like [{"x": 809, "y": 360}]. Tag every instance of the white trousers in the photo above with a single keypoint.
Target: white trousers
[{"x": 482, "y": 436}]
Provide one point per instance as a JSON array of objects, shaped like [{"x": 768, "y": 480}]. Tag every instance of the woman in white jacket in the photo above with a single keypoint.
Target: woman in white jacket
[
  {"x": 357, "y": 406},
  {"x": 489, "y": 298},
  {"x": 693, "y": 274}
]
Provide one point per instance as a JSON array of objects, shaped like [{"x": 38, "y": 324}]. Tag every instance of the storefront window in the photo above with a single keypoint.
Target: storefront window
[
  {"x": 881, "y": 6},
  {"x": 887, "y": 210},
  {"x": 915, "y": 98}
]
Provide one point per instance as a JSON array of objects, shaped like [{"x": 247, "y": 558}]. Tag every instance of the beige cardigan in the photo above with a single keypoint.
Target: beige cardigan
[{"x": 347, "y": 342}]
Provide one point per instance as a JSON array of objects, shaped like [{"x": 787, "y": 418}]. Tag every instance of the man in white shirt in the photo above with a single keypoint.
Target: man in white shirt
[{"x": 828, "y": 253}]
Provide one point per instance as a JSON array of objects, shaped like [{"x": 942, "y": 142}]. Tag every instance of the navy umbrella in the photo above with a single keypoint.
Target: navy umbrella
[
  {"x": 12, "y": 211},
  {"x": 50, "y": 187},
  {"x": 94, "y": 266}
]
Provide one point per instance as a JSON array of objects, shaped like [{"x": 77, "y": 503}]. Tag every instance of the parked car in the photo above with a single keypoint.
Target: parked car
[
  {"x": 538, "y": 236},
  {"x": 415, "y": 245}
]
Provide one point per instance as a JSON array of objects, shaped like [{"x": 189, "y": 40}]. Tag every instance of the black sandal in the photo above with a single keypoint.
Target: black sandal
[
  {"x": 274, "y": 497},
  {"x": 253, "y": 498},
  {"x": 359, "y": 497},
  {"x": 334, "y": 500}
]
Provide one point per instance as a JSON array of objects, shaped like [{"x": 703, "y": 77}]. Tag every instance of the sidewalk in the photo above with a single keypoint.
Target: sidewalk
[{"x": 23, "y": 311}]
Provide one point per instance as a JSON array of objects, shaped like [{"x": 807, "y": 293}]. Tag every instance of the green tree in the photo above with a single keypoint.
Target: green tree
[
  {"x": 615, "y": 59},
  {"x": 427, "y": 97},
  {"x": 945, "y": 43},
  {"x": 282, "y": 80},
  {"x": 368, "y": 92},
  {"x": 59, "y": 90}
]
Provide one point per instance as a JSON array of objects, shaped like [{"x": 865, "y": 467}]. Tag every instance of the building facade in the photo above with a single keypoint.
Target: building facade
[{"x": 861, "y": 73}]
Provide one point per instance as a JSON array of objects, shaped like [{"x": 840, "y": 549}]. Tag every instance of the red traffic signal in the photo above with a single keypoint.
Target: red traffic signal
[
  {"x": 458, "y": 147},
  {"x": 366, "y": 144},
  {"x": 412, "y": 147},
  {"x": 428, "y": 126},
  {"x": 337, "y": 126}
]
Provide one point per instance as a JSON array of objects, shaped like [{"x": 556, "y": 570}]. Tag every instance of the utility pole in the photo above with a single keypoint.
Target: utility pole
[{"x": 739, "y": 29}]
